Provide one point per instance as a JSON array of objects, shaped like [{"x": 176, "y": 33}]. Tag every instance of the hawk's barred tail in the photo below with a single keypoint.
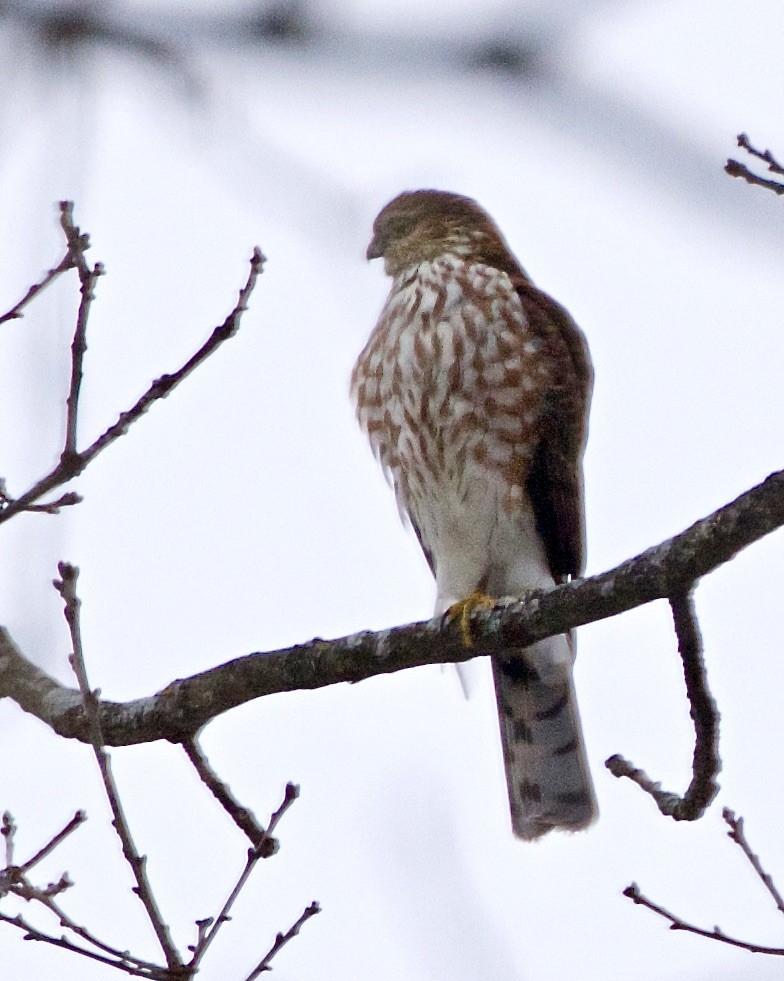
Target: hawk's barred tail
[{"x": 547, "y": 772}]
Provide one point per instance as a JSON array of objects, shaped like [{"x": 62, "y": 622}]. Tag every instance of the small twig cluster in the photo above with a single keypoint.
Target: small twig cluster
[
  {"x": 736, "y": 169},
  {"x": 14, "y": 879},
  {"x": 736, "y": 834},
  {"x": 72, "y": 462}
]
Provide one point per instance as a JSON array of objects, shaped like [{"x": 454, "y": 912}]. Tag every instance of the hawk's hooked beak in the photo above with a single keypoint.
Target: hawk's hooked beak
[{"x": 375, "y": 250}]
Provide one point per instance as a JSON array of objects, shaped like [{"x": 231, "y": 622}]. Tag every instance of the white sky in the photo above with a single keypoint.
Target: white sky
[{"x": 245, "y": 513}]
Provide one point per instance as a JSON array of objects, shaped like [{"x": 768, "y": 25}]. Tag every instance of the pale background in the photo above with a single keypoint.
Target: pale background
[{"x": 245, "y": 513}]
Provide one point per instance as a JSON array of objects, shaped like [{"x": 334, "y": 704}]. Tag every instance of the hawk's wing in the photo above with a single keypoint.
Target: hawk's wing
[{"x": 555, "y": 483}]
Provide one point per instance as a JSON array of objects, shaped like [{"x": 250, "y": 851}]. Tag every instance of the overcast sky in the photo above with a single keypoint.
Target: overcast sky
[{"x": 245, "y": 512}]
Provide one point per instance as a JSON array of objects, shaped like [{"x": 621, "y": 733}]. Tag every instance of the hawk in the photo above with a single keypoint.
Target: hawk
[{"x": 474, "y": 390}]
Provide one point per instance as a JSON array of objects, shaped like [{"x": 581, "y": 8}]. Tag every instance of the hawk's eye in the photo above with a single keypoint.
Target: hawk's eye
[{"x": 401, "y": 225}]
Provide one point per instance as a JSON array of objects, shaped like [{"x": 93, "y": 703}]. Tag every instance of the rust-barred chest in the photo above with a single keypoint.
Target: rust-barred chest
[{"x": 452, "y": 380}]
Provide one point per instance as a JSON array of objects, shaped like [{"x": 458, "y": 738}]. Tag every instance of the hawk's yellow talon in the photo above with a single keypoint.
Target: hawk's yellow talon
[{"x": 476, "y": 600}]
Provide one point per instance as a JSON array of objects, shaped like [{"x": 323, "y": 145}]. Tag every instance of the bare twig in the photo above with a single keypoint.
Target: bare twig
[
  {"x": 121, "y": 959},
  {"x": 281, "y": 939},
  {"x": 162, "y": 386},
  {"x": 8, "y": 831},
  {"x": 736, "y": 169},
  {"x": 72, "y": 461},
  {"x": 79, "y": 818},
  {"x": 676, "y": 923},
  {"x": 737, "y": 834},
  {"x": 765, "y": 155},
  {"x": 33, "y": 933},
  {"x": 706, "y": 763},
  {"x": 87, "y": 278},
  {"x": 242, "y": 817},
  {"x": 267, "y": 846},
  {"x": 66, "y": 586},
  {"x": 14, "y": 880},
  {"x": 51, "y": 507},
  {"x": 14, "y": 875},
  {"x": 78, "y": 244}
]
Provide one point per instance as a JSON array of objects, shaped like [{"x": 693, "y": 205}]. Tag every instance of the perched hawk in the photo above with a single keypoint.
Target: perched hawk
[{"x": 474, "y": 390}]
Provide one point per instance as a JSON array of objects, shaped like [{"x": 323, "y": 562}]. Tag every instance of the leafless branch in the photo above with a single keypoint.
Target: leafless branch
[
  {"x": 281, "y": 939},
  {"x": 87, "y": 278},
  {"x": 737, "y": 834},
  {"x": 12, "y": 874},
  {"x": 8, "y": 831},
  {"x": 736, "y": 169},
  {"x": 179, "y": 711},
  {"x": 676, "y": 923},
  {"x": 242, "y": 817},
  {"x": 51, "y": 507},
  {"x": 266, "y": 847},
  {"x": 33, "y": 933},
  {"x": 706, "y": 763},
  {"x": 79, "y": 818},
  {"x": 66, "y": 586},
  {"x": 78, "y": 244},
  {"x": 765, "y": 155},
  {"x": 73, "y": 461},
  {"x": 14, "y": 880}
]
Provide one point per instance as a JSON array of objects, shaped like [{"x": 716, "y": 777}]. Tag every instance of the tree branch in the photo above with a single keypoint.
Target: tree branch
[
  {"x": 138, "y": 863},
  {"x": 736, "y": 834},
  {"x": 14, "y": 880},
  {"x": 736, "y": 169},
  {"x": 265, "y": 848},
  {"x": 179, "y": 711},
  {"x": 72, "y": 461},
  {"x": 676, "y": 923},
  {"x": 706, "y": 763},
  {"x": 77, "y": 242},
  {"x": 240, "y": 815},
  {"x": 79, "y": 818},
  {"x": 282, "y": 939}
]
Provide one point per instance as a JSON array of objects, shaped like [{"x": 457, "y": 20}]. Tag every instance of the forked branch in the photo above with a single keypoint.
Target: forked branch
[
  {"x": 72, "y": 460},
  {"x": 736, "y": 834}
]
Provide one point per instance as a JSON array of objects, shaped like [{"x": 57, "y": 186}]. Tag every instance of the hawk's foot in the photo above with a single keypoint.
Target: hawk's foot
[{"x": 476, "y": 600}]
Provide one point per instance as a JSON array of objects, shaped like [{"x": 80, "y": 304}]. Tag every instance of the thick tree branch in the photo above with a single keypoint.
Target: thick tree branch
[
  {"x": 182, "y": 708},
  {"x": 706, "y": 763}
]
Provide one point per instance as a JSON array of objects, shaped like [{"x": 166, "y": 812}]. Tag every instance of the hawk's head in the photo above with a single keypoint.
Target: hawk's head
[{"x": 418, "y": 226}]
